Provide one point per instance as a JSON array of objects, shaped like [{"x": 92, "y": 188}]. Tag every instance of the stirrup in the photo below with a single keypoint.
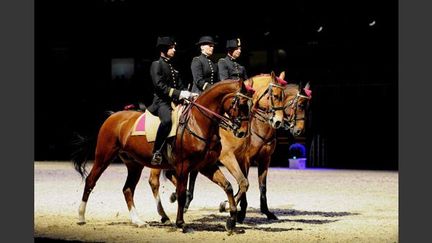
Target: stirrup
[{"x": 157, "y": 158}]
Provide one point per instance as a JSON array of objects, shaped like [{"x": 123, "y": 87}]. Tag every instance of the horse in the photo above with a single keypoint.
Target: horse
[
  {"x": 196, "y": 146},
  {"x": 269, "y": 101},
  {"x": 262, "y": 144},
  {"x": 258, "y": 148}
]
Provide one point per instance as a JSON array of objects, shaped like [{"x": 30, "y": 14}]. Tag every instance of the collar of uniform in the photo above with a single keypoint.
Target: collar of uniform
[
  {"x": 204, "y": 55},
  {"x": 231, "y": 58},
  {"x": 165, "y": 59}
]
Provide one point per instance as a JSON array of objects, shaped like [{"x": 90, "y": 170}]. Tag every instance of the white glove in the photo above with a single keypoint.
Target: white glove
[{"x": 184, "y": 94}]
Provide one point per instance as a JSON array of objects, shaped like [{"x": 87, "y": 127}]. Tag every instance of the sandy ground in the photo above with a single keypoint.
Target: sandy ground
[{"x": 313, "y": 205}]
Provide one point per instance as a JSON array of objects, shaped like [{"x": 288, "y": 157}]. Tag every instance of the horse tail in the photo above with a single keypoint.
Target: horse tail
[{"x": 84, "y": 147}]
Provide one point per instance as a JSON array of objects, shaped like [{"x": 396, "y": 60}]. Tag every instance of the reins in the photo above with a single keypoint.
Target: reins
[{"x": 291, "y": 120}]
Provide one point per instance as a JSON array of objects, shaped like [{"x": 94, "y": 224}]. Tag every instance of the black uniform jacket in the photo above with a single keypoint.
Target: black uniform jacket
[
  {"x": 204, "y": 73},
  {"x": 167, "y": 84},
  {"x": 230, "y": 69}
]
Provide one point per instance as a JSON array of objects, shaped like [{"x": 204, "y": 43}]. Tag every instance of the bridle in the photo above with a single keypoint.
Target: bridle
[
  {"x": 267, "y": 114},
  {"x": 291, "y": 120},
  {"x": 231, "y": 123}
]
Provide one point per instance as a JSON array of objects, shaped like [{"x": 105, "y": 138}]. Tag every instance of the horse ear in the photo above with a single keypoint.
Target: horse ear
[
  {"x": 307, "y": 90},
  {"x": 273, "y": 75},
  {"x": 282, "y": 75}
]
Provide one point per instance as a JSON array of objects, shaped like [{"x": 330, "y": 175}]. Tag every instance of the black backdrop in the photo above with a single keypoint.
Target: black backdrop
[{"x": 351, "y": 64}]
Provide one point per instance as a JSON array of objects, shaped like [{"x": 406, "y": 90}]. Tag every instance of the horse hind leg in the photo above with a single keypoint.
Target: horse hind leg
[
  {"x": 134, "y": 174},
  {"x": 154, "y": 182},
  {"x": 189, "y": 192},
  {"x": 103, "y": 158}
]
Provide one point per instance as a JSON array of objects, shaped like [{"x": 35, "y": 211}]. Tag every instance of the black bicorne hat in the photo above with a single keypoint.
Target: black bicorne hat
[
  {"x": 232, "y": 44},
  {"x": 164, "y": 41},
  {"x": 206, "y": 40}
]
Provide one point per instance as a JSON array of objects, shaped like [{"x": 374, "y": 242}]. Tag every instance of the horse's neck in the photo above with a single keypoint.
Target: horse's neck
[
  {"x": 212, "y": 100},
  {"x": 263, "y": 129}
]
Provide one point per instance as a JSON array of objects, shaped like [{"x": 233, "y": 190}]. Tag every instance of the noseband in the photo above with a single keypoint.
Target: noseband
[
  {"x": 263, "y": 113},
  {"x": 292, "y": 119},
  {"x": 235, "y": 104}
]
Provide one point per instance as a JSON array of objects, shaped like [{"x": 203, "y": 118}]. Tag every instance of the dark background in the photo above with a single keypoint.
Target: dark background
[{"x": 352, "y": 67}]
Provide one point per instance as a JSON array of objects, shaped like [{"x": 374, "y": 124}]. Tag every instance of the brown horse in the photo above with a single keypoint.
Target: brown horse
[
  {"x": 195, "y": 147},
  {"x": 269, "y": 101},
  {"x": 258, "y": 148},
  {"x": 263, "y": 142}
]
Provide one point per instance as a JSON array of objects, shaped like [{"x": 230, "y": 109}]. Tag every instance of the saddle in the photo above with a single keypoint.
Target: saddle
[{"x": 147, "y": 124}]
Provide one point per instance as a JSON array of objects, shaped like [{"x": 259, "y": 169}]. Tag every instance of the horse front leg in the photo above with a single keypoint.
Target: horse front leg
[
  {"x": 182, "y": 180},
  {"x": 232, "y": 163},
  {"x": 155, "y": 184},
  {"x": 263, "y": 166},
  {"x": 245, "y": 165},
  {"x": 215, "y": 174}
]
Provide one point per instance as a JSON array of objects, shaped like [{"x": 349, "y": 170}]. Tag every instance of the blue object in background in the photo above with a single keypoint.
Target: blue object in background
[{"x": 297, "y": 150}]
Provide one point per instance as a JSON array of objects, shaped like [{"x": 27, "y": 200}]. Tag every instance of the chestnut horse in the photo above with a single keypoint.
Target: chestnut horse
[
  {"x": 262, "y": 143},
  {"x": 269, "y": 101},
  {"x": 195, "y": 147},
  {"x": 259, "y": 147}
]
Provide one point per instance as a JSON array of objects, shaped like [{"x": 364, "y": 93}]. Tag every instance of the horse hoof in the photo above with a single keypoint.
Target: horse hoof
[
  {"x": 271, "y": 216},
  {"x": 81, "y": 223},
  {"x": 180, "y": 224},
  {"x": 186, "y": 229},
  {"x": 140, "y": 224},
  {"x": 165, "y": 220},
  {"x": 222, "y": 207},
  {"x": 173, "y": 197}
]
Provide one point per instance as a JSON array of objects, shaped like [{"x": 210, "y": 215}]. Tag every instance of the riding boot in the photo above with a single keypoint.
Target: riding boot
[
  {"x": 157, "y": 149},
  {"x": 157, "y": 155},
  {"x": 164, "y": 113}
]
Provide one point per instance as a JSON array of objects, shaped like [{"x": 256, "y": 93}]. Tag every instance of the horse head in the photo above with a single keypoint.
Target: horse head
[
  {"x": 227, "y": 103},
  {"x": 295, "y": 108},
  {"x": 269, "y": 99},
  {"x": 238, "y": 106}
]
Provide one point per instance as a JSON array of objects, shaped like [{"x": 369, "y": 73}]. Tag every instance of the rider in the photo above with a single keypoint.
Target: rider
[
  {"x": 168, "y": 88},
  {"x": 204, "y": 70},
  {"x": 228, "y": 67}
]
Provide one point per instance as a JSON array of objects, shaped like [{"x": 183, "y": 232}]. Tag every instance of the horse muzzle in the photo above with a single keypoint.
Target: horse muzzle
[
  {"x": 296, "y": 131},
  {"x": 275, "y": 123}
]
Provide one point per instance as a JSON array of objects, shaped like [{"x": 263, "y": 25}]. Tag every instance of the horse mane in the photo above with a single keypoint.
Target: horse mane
[{"x": 290, "y": 88}]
